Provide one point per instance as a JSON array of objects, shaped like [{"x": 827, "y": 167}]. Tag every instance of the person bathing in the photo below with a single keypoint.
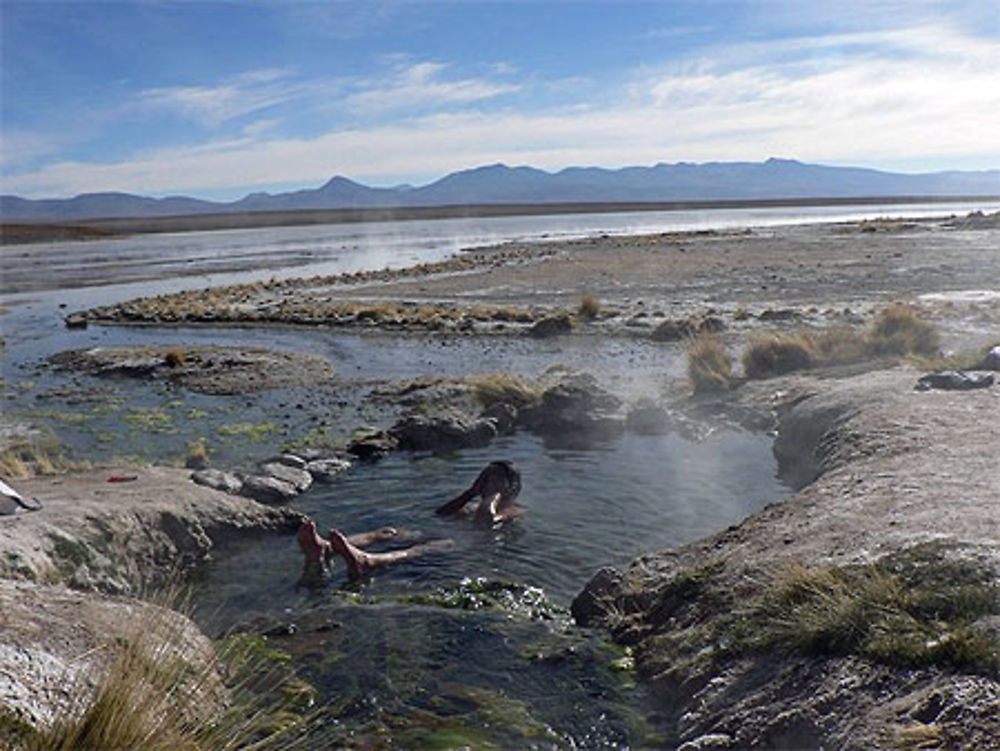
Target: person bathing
[
  {"x": 360, "y": 562},
  {"x": 318, "y": 551},
  {"x": 496, "y": 486}
]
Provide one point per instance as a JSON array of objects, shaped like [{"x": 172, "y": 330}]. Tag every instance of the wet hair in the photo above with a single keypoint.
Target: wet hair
[{"x": 500, "y": 477}]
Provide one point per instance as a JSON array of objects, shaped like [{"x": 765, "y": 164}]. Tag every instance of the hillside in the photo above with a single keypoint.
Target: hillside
[{"x": 499, "y": 184}]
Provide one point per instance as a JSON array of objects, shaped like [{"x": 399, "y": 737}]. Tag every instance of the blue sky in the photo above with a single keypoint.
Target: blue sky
[{"x": 220, "y": 99}]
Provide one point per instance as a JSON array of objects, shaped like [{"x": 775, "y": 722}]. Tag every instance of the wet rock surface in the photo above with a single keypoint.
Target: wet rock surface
[
  {"x": 954, "y": 380},
  {"x": 443, "y": 432},
  {"x": 210, "y": 370},
  {"x": 576, "y": 405},
  {"x": 227, "y": 482}
]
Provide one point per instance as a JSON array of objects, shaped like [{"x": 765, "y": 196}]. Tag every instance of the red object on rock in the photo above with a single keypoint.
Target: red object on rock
[{"x": 123, "y": 478}]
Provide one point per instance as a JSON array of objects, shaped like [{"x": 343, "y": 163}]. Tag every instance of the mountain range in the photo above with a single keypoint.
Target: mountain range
[{"x": 774, "y": 179}]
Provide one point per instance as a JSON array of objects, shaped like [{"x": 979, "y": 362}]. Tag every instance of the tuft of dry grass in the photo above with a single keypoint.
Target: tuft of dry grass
[
  {"x": 197, "y": 454},
  {"x": 767, "y": 356},
  {"x": 495, "y": 388},
  {"x": 899, "y": 330},
  {"x": 589, "y": 308},
  {"x": 31, "y": 459},
  {"x": 917, "y": 607},
  {"x": 709, "y": 364},
  {"x": 920, "y": 737},
  {"x": 839, "y": 345},
  {"x": 158, "y": 695},
  {"x": 175, "y": 358}
]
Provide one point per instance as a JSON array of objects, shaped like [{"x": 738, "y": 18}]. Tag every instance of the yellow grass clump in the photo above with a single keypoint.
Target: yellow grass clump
[
  {"x": 709, "y": 364},
  {"x": 495, "y": 388},
  {"x": 197, "y": 455},
  {"x": 156, "y": 693},
  {"x": 174, "y": 358},
  {"x": 589, "y": 308},
  {"x": 899, "y": 330},
  {"x": 775, "y": 355}
]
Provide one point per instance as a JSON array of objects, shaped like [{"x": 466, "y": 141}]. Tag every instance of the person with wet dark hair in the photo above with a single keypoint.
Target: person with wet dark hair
[{"x": 496, "y": 486}]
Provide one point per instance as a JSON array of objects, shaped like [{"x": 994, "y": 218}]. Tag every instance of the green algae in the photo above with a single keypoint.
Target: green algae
[
  {"x": 252, "y": 432},
  {"x": 488, "y": 594}
]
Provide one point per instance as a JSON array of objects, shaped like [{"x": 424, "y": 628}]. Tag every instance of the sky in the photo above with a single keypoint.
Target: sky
[{"x": 219, "y": 99}]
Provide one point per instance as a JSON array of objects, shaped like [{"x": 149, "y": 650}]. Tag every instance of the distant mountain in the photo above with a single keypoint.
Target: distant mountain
[{"x": 500, "y": 184}]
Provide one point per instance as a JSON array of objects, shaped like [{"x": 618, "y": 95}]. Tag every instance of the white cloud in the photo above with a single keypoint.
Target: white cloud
[
  {"x": 215, "y": 105},
  {"x": 931, "y": 95},
  {"x": 422, "y": 86}
]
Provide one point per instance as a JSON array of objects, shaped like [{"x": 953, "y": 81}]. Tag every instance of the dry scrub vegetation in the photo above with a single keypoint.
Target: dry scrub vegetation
[
  {"x": 156, "y": 696},
  {"x": 914, "y": 608},
  {"x": 897, "y": 331},
  {"x": 709, "y": 364}
]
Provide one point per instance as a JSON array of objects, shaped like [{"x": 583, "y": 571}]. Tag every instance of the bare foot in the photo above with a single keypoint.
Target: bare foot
[
  {"x": 313, "y": 547},
  {"x": 356, "y": 559},
  {"x": 360, "y": 562}
]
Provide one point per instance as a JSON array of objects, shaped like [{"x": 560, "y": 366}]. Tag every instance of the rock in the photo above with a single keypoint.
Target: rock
[
  {"x": 443, "y": 432},
  {"x": 709, "y": 742},
  {"x": 954, "y": 380},
  {"x": 297, "y": 478},
  {"x": 576, "y": 406},
  {"x": 553, "y": 325},
  {"x": 503, "y": 416},
  {"x": 325, "y": 470},
  {"x": 137, "y": 535},
  {"x": 56, "y": 642},
  {"x": 227, "y": 482},
  {"x": 268, "y": 489},
  {"x": 589, "y": 607},
  {"x": 372, "y": 446},
  {"x": 648, "y": 418},
  {"x": 76, "y": 321},
  {"x": 672, "y": 331},
  {"x": 677, "y": 329},
  {"x": 991, "y": 360},
  {"x": 711, "y": 325},
  {"x": 289, "y": 460},
  {"x": 784, "y": 314}
]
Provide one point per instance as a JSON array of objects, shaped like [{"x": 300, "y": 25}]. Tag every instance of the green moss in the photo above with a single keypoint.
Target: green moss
[
  {"x": 151, "y": 419},
  {"x": 253, "y": 432}
]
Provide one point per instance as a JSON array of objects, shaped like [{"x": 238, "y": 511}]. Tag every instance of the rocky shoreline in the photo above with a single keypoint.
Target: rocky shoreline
[{"x": 898, "y": 473}]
